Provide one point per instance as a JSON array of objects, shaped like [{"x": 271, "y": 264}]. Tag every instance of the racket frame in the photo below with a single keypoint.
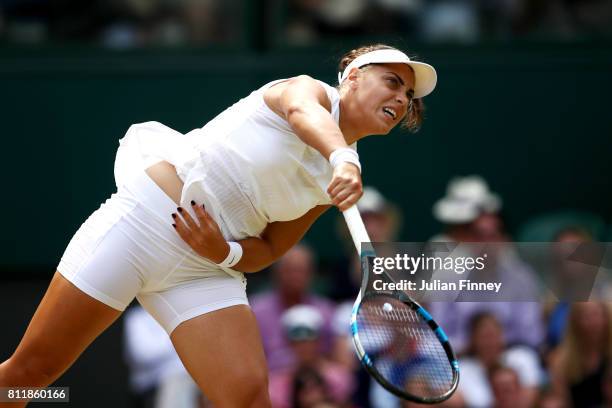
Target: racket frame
[
  {"x": 366, "y": 251},
  {"x": 440, "y": 335}
]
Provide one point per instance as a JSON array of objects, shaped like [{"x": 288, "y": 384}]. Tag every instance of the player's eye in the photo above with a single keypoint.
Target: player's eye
[{"x": 392, "y": 81}]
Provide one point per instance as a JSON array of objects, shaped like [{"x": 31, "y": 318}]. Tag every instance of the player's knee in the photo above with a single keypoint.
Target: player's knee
[
  {"x": 32, "y": 371},
  {"x": 261, "y": 398},
  {"x": 251, "y": 389},
  {"x": 253, "y": 382},
  {"x": 255, "y": 397}
]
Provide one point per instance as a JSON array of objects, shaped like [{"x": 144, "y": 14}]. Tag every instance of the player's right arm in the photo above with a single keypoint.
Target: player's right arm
[{"x": 304, "y": 104}]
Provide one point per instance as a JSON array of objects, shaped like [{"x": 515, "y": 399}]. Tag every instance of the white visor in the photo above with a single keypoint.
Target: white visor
[{"x": 424, "y": 74}]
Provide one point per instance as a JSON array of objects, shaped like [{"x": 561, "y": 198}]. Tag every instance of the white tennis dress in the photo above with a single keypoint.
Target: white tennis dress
[{"x": 246, "y": 166}]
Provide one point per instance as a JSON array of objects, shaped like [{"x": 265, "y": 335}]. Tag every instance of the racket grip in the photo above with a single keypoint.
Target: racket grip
[{"x": 356, "y": 227}]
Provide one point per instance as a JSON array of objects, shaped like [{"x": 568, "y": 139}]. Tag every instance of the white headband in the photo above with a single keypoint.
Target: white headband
[
  {"x": 373, "y": 57},
  {"x": 425, "y": 74}
]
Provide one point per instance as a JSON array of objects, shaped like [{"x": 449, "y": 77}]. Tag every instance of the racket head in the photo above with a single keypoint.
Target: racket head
[{"x": 403, "y": 348}]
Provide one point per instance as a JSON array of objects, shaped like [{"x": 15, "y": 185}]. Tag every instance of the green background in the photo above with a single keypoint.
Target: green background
[{"x": 533, "y": 119}]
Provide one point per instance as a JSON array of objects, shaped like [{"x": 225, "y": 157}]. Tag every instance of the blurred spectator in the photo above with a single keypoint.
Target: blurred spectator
[
  {"x": 308, "y": 21},
  {"x": 507, "y": 389},
  {"x": 343, "y": 353},
  {"x": 578, "y": 367},
  {"x": 470, "y": 212},
  {"x": 213, "y": 22},
  {"x": 310, "y": 390},
  {"x": 487, "y": 350},
  {"x": 450, "y": 20},
  {"x": 311, "y": 380},
  {"x": 551, "y": 399},
  {"x": 466, "y": 199},
  {"x": 158, "y": 378},
  {"x": 568, "y": 279},
  {"x": 292, "y": 275},
  {"x": 342, "y": 349}
]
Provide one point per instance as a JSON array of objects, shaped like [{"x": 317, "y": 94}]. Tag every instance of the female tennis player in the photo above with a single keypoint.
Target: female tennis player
[{"x": 193, "y": 212}]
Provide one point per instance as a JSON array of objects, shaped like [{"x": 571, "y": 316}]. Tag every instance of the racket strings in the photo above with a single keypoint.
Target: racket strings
[{"x": 403, "y": 348}]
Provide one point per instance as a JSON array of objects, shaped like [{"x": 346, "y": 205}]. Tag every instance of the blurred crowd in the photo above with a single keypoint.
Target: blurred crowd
[
  {"x": 122, "y": 23},
  {"x": 449, "y": 20},
  {"x": 549, "y": 354},
  {"x": 136, "y": 23}
]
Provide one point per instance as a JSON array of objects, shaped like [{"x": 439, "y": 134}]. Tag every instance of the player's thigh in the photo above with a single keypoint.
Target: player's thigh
[
  {"x": 222, "y": 351},
  {"x": 66, "y": 321}
]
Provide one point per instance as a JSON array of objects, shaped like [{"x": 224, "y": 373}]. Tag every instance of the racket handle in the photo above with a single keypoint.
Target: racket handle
[{"x": 356, "y": 227}]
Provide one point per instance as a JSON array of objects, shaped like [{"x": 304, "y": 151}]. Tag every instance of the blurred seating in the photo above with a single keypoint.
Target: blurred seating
[
  {"x": 580, "y": 365},
  {"x": 158, "y": 378},
  {"x": 312, "y": 379},
  {"x": 486, "y": 352},
  {"x": 470, "y": 213},
  {"x": 146, "y": 23},
  {"x": 292, "y": 275},
  {"x": 545, "y": 227}
]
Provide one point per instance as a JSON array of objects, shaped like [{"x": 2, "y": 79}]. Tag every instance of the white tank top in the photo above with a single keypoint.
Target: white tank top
[{"x": 246, "y": 165}]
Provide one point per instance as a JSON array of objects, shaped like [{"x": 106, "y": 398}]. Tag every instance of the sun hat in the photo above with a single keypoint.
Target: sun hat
[
  {"x": 466, "y": 198},
  {"x": 302, "y": 322},
  {"x": 424, "y": 74}
]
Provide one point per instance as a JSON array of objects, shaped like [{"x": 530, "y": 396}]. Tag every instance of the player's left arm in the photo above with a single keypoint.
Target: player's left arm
[{"x": 205, "y": 238}]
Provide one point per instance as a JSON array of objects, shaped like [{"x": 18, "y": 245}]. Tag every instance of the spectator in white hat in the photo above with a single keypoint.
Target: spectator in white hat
[
  {"x": 469, "y": 210},
  {"x": 470, "y": 213}
]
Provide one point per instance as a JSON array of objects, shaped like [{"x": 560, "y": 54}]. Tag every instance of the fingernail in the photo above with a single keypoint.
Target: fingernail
[
  {"x": 174, "y": 225},
  {"x": 192, "y": 202},
  {"x": 173, "y": 215},
  {"x": 179, "y": 209}
]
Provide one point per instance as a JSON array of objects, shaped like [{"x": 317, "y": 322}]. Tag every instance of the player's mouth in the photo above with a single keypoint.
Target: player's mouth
[{"x": 390, "y": 112}]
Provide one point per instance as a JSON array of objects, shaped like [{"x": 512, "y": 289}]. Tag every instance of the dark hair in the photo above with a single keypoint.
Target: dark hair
[
  {"x": 416, "y": 108},
  {"x": 304, "y": 376},
  {"x": 474, "y": 323},
  {"x": 477, "y": 318}
]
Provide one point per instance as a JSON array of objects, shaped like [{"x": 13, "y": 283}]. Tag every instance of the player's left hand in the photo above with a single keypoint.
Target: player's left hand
[{"x": 204, "y": 235}]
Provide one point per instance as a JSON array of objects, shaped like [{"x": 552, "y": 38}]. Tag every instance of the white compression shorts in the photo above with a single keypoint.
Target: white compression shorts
[{"x": 128, "y": 248}]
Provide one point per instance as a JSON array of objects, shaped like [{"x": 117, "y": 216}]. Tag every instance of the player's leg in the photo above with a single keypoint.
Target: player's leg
[
  {"x": 222, "y": 351},
  {"x": 98, "y": 276},
  {"x": 66, "y": 321}
]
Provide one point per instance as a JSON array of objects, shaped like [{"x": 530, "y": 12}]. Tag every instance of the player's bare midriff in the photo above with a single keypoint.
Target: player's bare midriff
[{"x": 164, "y": 175}]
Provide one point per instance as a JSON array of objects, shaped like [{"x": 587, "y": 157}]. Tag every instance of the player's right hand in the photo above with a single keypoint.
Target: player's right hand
[{"x": 345, "y": 188}]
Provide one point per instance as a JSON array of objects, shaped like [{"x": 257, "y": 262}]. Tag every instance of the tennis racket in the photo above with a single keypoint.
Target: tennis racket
[{"x": 396, "y": 339}]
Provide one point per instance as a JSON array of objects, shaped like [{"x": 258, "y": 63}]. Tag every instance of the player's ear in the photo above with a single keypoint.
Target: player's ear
[{"x": 353, "y": 78}]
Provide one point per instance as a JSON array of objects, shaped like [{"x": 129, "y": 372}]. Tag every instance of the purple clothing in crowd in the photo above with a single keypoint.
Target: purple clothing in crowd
[
  {"x": 268, "y": 309},
  {"x": 521, "y": 321}
]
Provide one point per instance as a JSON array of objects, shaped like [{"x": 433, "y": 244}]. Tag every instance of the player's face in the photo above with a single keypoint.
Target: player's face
[{"x": 383, "y": 94}]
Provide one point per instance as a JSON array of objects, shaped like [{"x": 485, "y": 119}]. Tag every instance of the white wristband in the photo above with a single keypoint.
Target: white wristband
[
  {"x": 235, "y": 253},
  {"x": 344, "y": 154}
]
